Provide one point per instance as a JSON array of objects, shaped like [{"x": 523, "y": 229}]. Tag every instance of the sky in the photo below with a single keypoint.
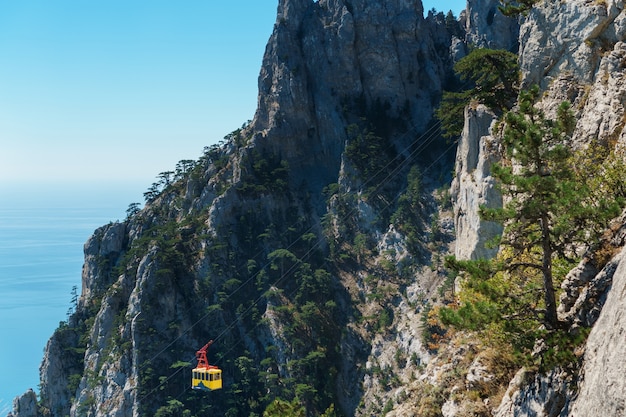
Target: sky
[{"x": 122, "y": 90}]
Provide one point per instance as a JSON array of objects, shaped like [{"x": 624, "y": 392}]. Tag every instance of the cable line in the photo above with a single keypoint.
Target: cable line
[{"x": 392, "y": 169}]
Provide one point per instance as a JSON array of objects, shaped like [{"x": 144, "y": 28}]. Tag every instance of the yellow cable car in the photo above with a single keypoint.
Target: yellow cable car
[{"x": 205, "y": 377}]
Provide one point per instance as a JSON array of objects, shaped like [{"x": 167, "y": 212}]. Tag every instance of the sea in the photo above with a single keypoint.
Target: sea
[{"x": 43, "y": 227}]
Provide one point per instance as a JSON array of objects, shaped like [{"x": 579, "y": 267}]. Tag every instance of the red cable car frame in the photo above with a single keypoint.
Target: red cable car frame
[{"x": 205, "y": 377}]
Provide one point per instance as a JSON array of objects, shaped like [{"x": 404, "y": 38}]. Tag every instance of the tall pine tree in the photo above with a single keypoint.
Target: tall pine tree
[{"x": 555, "y": 208}]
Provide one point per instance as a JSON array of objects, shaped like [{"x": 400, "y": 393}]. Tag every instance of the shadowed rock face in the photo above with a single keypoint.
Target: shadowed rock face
[{"x": 327, "y": 58}]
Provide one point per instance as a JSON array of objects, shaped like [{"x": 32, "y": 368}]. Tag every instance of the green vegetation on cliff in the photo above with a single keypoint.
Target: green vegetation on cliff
[
  {"x": 490, "y": 77},
  {"x": 558, "y": 203}
]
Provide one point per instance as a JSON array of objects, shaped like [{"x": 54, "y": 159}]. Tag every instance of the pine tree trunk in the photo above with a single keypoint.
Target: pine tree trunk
[{"x": 551, "y": 320}]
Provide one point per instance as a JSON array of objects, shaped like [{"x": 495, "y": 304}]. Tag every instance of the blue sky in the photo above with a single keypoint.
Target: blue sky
[{"x": 121, "y": 90}]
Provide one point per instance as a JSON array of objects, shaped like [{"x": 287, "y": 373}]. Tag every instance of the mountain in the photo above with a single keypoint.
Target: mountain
[{"x": 309, "y": 245}]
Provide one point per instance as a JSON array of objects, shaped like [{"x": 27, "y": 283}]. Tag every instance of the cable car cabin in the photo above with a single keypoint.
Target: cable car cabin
[{"x": 205, "y": 377}]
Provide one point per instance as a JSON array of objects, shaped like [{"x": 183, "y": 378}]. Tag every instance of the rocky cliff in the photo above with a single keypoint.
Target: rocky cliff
[
  {"x": 309, "y": 244},
  {"x": 574, "y": 50},
  {"x": 473, "y": 186}
]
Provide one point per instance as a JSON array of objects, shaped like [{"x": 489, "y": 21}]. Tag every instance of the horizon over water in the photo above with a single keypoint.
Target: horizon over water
[{"x": 43, "y": 228}]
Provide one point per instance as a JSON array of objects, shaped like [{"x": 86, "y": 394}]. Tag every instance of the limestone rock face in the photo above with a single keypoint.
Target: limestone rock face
[
  {"x": 473, "y": 186},
  {"x": 565, "y": 37},
  {"x": 537, "y": 395},
  {"x": 149, "y": 281},
  {"x": 603, "y": 388},
  {"x": 72, "y": 363},
  {"x": 586, "y": 296},
  {"x": 598, "y": 389},
  {"x": 102, "y": 247},
  {"x": 487, "y": 27},
  {"x": 585, "y": 289},
  {"x": 604, "y": 108},
  {"x": 55, "y": 369},
  {"x": 574, "y": 51},
  {"x": 25, "y": 405}
]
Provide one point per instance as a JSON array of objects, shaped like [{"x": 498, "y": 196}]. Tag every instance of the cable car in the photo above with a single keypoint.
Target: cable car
[{"x": 205, "y": 377}]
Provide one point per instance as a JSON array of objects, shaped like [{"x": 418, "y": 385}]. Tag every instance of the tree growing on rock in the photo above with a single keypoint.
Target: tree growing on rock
[
  {"x": 557, "y": 205},
  {"x": 516, "y": 7},
  {"x": 491, "y": 77}
]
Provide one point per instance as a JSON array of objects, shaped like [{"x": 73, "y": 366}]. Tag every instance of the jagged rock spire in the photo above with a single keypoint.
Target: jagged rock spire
[{"x": 291, "y": 12}]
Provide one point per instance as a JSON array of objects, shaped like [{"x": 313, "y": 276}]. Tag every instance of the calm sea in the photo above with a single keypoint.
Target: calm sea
[{"x": 42, "y": 232}]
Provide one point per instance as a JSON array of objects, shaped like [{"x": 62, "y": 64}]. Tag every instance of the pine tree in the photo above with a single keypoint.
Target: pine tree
[
  {"x": 491, "y": 77},
  {"x": 555, "y": 209},
  {"x": 542, "y": 190}
]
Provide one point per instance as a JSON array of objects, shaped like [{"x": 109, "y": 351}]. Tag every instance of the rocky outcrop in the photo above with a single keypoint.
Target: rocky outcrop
[
  {"x": 585, "y": 289},
  {"x": 575, "y": 51},
  {"x": 603, "y": 101},
  {"x": 25, "y": 405},
  {"x": 55, "y": 372},
  {"x": 487, "y": 27},
  {"x": 602, "y": 390},
  {"x": 530, "y": 394},
  {"x": 330, "y": 55},
  {"x": 596, "y": 389},
  {"x": 474, "y": 187},
  {"x": 102, "y": 248},
  {"x": 76, "y": 356},
  {"x": 568, "y": 37}
]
